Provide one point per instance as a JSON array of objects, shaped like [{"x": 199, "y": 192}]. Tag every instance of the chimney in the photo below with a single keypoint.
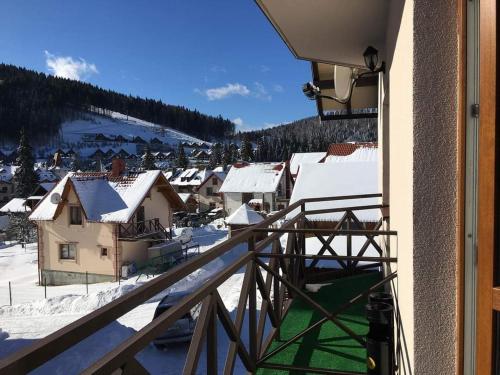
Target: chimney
[{"x": 117, "y": 167}]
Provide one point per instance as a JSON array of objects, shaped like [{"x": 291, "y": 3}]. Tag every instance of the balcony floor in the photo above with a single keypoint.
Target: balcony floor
[{"x": 327, "y": 347}]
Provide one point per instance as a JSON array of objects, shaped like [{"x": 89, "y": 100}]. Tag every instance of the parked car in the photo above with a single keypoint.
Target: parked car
[{"x": 182, "y": 330}]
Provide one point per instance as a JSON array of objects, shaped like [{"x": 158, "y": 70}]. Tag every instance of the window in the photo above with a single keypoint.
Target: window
[
  {"x": 4, "y": 189},
  {"x": 212, "y": 205},
  {"x": 75, "y": 214},
  {"x": 210, "y": 191},
  {"x": 215, "y": 181},
  {"x": 104, "y": 251},
  {"x": 67, "y": 251}
]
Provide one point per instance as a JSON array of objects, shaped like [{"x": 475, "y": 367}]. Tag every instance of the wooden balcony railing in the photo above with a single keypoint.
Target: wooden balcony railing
[
  {"x": 278, "y": 274},
  {"x": 141, "y": 229}
]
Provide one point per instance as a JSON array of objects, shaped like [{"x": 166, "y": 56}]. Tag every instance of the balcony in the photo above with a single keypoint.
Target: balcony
[
  {"x": 143, "y": 229},
  {"x": 280, "y": 323}
]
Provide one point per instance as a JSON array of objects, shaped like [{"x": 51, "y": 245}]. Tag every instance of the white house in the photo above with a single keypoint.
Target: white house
[
  {"x": 262, "y": 181},
  {"x": 302, "y": 158}
]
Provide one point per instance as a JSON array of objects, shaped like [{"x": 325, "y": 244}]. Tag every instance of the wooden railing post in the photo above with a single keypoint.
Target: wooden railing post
[
  {"x": 252, "y": 305},
  {"x": 212, "y": 339}
]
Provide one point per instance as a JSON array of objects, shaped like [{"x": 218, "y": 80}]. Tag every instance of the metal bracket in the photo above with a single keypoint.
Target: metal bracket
[{"x": 475, "y": 110}]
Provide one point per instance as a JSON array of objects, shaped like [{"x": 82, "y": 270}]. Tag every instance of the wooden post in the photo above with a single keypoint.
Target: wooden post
[
  {"x": 252, "y": 306},
  {"x": 45, "y": 286},
  {"x": 87, "y": 281},
  {"x": 10, "y": 294},
  {"x": 212, "y": 340}
]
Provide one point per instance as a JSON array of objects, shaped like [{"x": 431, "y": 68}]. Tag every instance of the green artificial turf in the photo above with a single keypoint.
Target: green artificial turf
[{"x": 328, "y": 346}]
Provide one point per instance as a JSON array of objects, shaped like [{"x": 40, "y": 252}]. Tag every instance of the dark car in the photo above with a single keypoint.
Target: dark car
[{"x": 182, "y": 330}]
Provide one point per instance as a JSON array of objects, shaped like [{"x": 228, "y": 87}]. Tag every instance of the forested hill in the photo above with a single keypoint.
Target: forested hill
[
  {"x": 40, "y": 103},
  {"x": 308, "y": 135}
]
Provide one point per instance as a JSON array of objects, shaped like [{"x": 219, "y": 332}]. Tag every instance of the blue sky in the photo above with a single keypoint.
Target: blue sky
[{"x": 220, "y": 57}]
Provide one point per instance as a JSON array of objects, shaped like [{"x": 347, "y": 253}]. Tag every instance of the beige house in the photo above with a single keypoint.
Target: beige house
[
  {"x": 96, "y": 222},
  {"x": 208, "y": 191}
]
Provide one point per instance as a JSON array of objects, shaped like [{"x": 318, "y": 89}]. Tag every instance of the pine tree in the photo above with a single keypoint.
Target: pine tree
[
  {"x": 233, "y": 150},
  {"x": 148, "y": 161},
  {"x": 215, "y": 156},
  {"x": 246, "y": 150},
  {"x": 182, "y": 161},
  {"x": 25, "y": 178},
  {"x": 212, "y": 161},
  {"x": 75, "y": 165},
  {"x": 226, "y": 157}
]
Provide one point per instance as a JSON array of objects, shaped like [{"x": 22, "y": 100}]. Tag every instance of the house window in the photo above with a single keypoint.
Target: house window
[
  {"x": 75, "y": 214},
  {"x": 104, "y": 251},
  {"x": 214, "y": 181},
  {"x": 4, "y": 189},
  {"x": 210, "y": 191},
  {"x": 212, "y": 205},
  {"x": 67, "y": 251}
]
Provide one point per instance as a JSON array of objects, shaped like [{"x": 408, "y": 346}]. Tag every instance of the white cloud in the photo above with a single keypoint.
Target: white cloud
[
  {"x": 218, "y": 69},
  {"x": 230, "y": 89},
  {"x": 67, "y": 67},
  {"x": 261, "y": 92},
  {"x": 238, "y": 121},
  {"x": 278, "y": 88},
  {"x": 264, "y": 68}
]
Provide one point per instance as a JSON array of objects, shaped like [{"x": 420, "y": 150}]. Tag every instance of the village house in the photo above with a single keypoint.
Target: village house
[
  {"x": 344, "y": 178},
  {"x": 7, "y": 182},
  {"x": 190, "y": 201},
  {"x": 303, "y": 157},
  {"x": 93, "y": 223},
  {"x": 351, "y": 151},
  {"x": 264, "y": 183},
  {"x": 186, "y": 181},
  {"x": 208, "y": 191}
]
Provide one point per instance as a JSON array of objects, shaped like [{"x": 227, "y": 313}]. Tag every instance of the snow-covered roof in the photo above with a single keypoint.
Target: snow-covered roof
[
  {"x": 253, "y": 178},
  {"x": 361, "y": 154},
  {"x": 184, "y": 196},
  {"x": 46, "y": 175},
  {"x": 304, "y": 157},
  {"x": 103, "y": 198},
  {"x": 15, "y": 205},
  {"x": 7, "y": 172},
  {"x": 168, "y": 174},
  {"x": 255, "y": 201},
  {"x": 48, "y": 185},
  {"x": 244, "y": 215},
  {"x": 191, "y": 177},
  {"x": 337, "y": 179}
]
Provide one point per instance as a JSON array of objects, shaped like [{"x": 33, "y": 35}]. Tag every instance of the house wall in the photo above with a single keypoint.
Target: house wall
[
  {"x": 157, "y": 206},
  {"x": 233, "y": 201},
  {"x": 420, "y": 109},
  {"x": 205, "y": 199},
  {"x": 89, "y": 239},
  {"x": 6, "y": 192}
]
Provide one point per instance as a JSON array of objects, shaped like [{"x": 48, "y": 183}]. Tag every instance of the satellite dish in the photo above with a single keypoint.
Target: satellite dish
[
  {"x": 343, "y": 82},
  {"x": 55, "y": 198}
]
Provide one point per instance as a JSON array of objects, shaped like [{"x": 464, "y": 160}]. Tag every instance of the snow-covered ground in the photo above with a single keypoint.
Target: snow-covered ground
[
  {"x": 32, "y": 316},
  {"x": 74, "y": 131}
]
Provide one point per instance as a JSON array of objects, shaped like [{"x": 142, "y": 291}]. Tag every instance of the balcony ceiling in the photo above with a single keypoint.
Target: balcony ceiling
[{"x": 330, "y": 31}]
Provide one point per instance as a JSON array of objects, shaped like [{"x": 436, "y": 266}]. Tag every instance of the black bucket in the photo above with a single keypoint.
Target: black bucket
[{"x": 379, "y": 341}]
